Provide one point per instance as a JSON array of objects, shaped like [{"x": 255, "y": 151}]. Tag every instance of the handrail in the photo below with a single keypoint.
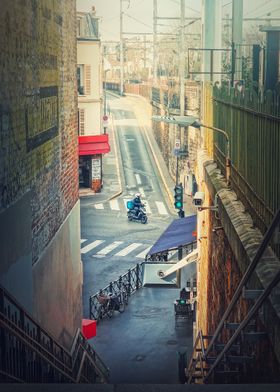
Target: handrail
[
  {"x": 246, "y": 321},
  {"x": 245, "y": 279},
  {"x": 266, "y": 292},
  {"x": 27, "y": 345}
]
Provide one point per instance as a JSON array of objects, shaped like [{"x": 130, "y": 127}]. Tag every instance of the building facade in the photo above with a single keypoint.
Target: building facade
[
  {"x": 39, "y": 207},
  {"x": 92, "y": 144}
]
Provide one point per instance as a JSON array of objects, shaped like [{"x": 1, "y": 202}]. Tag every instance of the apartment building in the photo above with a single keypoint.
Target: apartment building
[{"x": 93, "y": 143}]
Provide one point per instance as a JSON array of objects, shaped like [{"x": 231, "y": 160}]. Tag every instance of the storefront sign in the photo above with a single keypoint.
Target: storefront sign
[{"x": 96, "y": 168}]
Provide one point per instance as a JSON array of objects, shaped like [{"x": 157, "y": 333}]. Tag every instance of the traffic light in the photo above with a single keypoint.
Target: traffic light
[{"x": 178, "y": 197}]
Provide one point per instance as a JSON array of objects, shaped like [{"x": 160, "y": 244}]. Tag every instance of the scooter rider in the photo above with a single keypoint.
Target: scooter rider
[{"x": 137, "y": 203}]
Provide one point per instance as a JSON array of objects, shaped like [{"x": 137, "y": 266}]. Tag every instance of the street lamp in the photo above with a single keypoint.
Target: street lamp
[{"x": 186, "y": 121}]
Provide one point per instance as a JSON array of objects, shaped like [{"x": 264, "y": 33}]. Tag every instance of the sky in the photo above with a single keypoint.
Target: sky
[{"x": 138, "y": 14}]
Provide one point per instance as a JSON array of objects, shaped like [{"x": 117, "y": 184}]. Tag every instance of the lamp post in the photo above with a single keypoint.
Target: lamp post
[
  {"x": 194, "y": 122},
  {"x": 105, "y": 118}
]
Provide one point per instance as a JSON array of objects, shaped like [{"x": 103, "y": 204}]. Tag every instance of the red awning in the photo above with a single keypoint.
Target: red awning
[{"x": 94, "y": 144}]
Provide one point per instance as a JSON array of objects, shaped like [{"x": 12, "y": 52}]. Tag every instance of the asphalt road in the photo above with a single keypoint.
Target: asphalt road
[{"x": 142, "y": 344}]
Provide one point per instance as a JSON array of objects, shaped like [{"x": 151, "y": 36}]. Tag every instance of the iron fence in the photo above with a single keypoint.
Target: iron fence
[
  {"x": 129, "y": 283},
  {"x": 29, "y": 354},
  {"x": 252, "y": 121}
]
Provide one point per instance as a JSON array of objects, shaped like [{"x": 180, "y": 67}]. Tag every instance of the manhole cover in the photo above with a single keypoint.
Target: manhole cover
[
  {"x": 171, "y": 342},
  {"x": 139, "y": 358}
]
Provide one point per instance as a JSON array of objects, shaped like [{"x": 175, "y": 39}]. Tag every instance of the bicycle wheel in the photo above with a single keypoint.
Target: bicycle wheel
[
  {"x": 100, "y": 313},
  {"x": 125, "y": 297},
  {"x": 109, "y": 310},
  {"x": 121, "y": 304}
]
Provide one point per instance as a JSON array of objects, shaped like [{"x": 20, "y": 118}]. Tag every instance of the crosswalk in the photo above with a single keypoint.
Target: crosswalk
[
  {"x": 101, "y": 248},
  {"x": 152, "y": 207}
]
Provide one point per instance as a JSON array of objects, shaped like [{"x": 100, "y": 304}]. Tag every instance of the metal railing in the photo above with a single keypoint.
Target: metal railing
[
  {"x": 29, "y": 354},
  {"x": 129, "y": 282},
  {"x": 252, "y": 121},
  {"x": 203, "y": 354}
]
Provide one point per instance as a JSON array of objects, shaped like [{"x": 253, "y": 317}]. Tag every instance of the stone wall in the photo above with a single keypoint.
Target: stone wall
[{"x": 38, "y": 120}]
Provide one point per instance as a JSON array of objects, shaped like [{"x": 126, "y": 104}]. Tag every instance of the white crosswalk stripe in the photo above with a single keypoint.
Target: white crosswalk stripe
[
  {"x": 152, "y": 207},
  {"x": 161, "y": 208},
  {"x": 109, "y": 248},
  {"x": 141, "y": 191},
  {"x": 114, "y": 204},
  {"x": 147, "y": 207},
  {"x": 128, "y": 249},
  {"x": 91, "y": 246},
  {"x": 142, "y": 255},
  {"x": 82, "y": 241},
  {"x": 138, "y": 179},
  {"x": 99, "y": 206}
]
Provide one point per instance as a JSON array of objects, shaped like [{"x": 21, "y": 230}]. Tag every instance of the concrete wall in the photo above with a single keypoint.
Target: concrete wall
[{"x": 38, "y": 155}]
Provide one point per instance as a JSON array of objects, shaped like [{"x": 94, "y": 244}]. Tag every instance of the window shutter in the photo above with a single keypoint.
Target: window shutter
[
  {"x": 81, "y": 122},
  {"x": 87, "y": 79}
]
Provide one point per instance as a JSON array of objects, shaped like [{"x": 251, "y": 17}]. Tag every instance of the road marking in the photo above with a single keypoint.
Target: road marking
[
  {"x": 161, "y": 208},
  {"x": 138, "y": 179},
  {"x": 99, "y": 206},
  {"x": 147, "y": 207},
  {"x": 142, "y": 255},
  {"x": 126, "y": 121},
  {"x": 109, "y": 248},
  {"x": 128, "y": 249},
  {"x": 114, "y": 204},
  {"x": 141, "y": 191},
  {"x": 82, "y": 241},
  {"x": 91, "y": 246}
]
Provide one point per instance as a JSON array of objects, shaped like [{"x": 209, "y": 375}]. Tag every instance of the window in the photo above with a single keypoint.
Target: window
[
  {"x": 81, "y": 121},
  {"x": 80, "y": 79}
]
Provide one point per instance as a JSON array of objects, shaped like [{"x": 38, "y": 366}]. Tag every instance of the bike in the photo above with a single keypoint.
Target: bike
[
  {"x": 141, "y": 217},
  {"x": 110, "y": 303}
]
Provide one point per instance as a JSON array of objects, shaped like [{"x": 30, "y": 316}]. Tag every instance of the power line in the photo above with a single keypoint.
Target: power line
[{"x": 137, "y": 20}]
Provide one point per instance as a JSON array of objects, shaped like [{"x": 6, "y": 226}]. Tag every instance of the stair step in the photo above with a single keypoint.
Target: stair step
[
  {"x": 251, "y": 294},
  {"x": 239, "y": 358},
  {"x": 220, "y": 346},
  {"x": 234, "y": 326},
  {"x": 254, "y": 336}
]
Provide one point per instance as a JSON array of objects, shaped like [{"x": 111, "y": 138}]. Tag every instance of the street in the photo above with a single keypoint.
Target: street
[{"x": 140, "y": 345}]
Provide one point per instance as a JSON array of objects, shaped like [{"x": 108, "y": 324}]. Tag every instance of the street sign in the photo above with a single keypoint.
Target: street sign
[{"x": 105, "y": 121}]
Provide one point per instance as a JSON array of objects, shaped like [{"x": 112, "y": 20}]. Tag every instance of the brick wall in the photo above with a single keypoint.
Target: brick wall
[
  {"x": 38, "y": 112},
  {"x": 39, "y": 162}
]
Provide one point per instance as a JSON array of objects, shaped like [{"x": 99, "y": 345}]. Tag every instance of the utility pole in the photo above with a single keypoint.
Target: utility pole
[
  {"x": 182, "y": 59},
  {"x": 237, "y": 24},
  {"x": 155, "y": 43},
  {"x": 121, "y": 48}
]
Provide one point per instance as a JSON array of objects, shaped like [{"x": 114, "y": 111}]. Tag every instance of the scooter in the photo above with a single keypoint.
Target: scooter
[{"x": 141, "y": 217}]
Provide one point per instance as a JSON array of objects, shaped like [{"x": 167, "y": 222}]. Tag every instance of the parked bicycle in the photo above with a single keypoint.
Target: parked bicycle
[{"x": 109, "y": 303}]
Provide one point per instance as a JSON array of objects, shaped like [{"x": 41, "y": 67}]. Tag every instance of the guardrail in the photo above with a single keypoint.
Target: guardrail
[
  {"x": 29, "y": 354},
  {"x": 129, "y": 282}
]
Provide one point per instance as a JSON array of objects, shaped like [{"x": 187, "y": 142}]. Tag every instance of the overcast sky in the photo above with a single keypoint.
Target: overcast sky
[{"x": 138, "y": 15}]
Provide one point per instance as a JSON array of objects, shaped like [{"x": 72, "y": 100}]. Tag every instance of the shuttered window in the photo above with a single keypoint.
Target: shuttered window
[
  {"x": 81, "y": 122},
  {"x": 87, "y": 79}
]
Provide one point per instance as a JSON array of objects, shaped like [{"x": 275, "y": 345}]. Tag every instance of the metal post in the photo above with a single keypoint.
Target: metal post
[
  {"x": 155, "y": 43},
  {"x": 177, "y": 170},
  {"x": 237, "y": 22},
  {"x": 121, "y": 48},
  {"x": 182, "y": 60}
]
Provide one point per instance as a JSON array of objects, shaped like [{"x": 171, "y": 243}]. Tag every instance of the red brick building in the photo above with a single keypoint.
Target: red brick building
[{"x": 39, "y": 205}]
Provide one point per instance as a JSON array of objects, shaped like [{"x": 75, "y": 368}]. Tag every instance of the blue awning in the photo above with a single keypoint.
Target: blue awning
[{"x": 179, "y": 233}]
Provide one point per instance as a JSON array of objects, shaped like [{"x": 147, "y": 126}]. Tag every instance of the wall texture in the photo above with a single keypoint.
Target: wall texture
[{"x": 38, "y": 152}]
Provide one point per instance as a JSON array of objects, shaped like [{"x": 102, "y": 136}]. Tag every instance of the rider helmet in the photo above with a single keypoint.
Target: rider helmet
[{"x": 137, "y": 195}]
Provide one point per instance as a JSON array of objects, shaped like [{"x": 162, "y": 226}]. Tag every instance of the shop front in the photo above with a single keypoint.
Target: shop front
[{"x": 91, "y": 149}]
